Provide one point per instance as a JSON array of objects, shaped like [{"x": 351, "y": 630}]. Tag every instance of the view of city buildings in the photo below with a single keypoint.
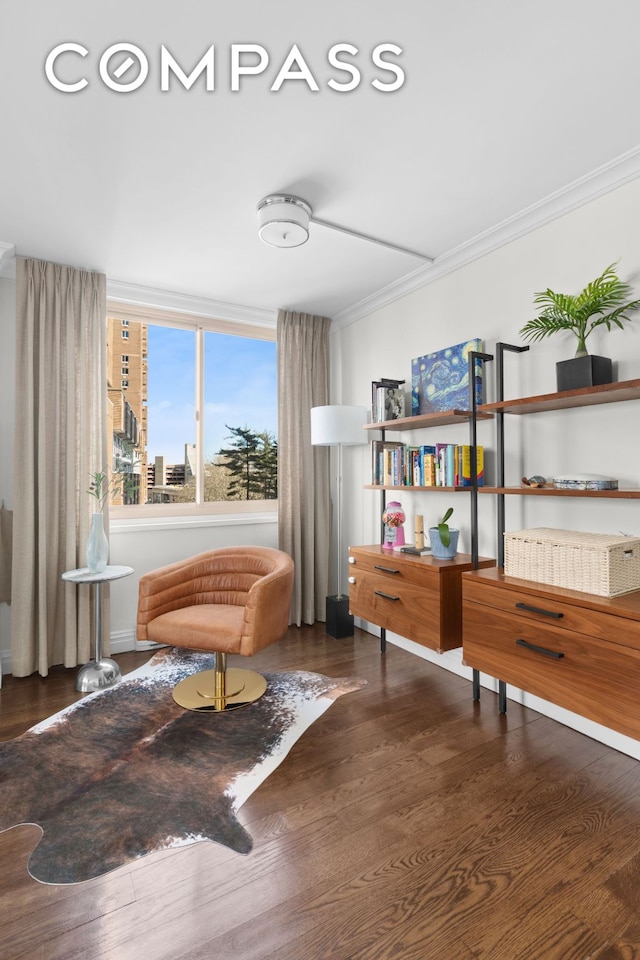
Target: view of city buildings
[{"x": 127, "y": 386}]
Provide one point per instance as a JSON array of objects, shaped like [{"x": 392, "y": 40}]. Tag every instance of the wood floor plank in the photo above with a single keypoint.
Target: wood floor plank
[{"x": 407, "y": 824}]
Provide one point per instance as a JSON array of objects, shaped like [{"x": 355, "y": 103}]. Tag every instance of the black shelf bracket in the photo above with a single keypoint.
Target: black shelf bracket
[
  {"x": 500, "y": 482},
  {"x": 501, "y": 348},
  {"x": 474, "y": 357}
]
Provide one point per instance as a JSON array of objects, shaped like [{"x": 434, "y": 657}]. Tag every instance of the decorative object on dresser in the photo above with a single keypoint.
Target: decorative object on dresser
[
  {"x": 393, "y": 519},
  {"x": 603, "y": 302},
  {"x": 336, "y": 425},
  {"x": 417, "y": 597},
  {"x": 418, "y": 526},
  {"x": 600, "y": 563},
  {"x": 444, "y": 539},
  {"x": 440, "y": 380}
]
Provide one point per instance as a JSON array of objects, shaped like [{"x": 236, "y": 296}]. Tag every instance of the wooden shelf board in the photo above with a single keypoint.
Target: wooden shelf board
[
  {"x": 586, "y": 396},
  {"x": 410, "y": 488},
  {"x": 427, "y": 420},
  {"x": 553, "y": 492}
]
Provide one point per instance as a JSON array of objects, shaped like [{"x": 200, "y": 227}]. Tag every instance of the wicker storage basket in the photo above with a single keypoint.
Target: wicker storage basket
[{"x": 600, "y": 563}]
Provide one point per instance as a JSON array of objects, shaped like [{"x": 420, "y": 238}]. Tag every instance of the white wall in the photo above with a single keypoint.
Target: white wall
[{"x": 492, "y": 298}]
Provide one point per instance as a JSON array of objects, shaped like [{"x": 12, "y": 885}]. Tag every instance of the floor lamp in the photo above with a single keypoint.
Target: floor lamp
[{"x": 338, "y": 426}]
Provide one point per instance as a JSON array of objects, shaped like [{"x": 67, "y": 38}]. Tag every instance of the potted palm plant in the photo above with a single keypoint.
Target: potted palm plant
[
  {"x": 603, "y": 302},
  {"x": 444, "y": 539}
]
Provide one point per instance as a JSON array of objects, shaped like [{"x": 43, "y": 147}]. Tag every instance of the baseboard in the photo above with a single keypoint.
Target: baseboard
[
  {"x": 124, "y": 641},
  {"x": 121, "y": 641}
]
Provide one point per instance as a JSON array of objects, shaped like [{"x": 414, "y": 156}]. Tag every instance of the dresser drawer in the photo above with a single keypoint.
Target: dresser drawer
[
  {"x": 406, "y": 609},
  {"x": 547, "y": 609},
  {"x": 584, "y": 674},
  {"x": 399, "y": 569}
]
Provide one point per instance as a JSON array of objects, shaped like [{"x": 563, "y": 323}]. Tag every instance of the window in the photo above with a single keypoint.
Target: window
[
  {"x": 125, "y": 334},
  {"x": 203, "y": 400}
]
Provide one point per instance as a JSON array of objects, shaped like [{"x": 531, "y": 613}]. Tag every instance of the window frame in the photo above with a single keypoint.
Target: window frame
[{"x": 201, "y": 325}]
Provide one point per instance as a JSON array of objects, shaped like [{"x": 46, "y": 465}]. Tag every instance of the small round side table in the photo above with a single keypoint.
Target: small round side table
[{"x": 103, "y": 671}]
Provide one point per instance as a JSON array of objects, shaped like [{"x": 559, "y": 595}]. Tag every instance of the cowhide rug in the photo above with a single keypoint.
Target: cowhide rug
[{"x": 126, "y": 771}]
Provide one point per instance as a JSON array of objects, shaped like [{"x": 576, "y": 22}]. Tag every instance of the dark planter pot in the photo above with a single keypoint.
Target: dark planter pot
[{"x": 586, "y": 371}]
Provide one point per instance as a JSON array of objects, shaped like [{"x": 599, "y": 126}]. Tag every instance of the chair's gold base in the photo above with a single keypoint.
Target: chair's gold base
[{"x": 201, "y": 692}]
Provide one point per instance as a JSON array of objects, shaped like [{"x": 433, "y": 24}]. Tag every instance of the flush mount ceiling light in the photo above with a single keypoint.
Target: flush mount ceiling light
[{"x": 283, "y": 221}]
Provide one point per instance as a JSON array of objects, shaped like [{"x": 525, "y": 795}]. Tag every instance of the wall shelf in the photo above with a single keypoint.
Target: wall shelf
[
  {"x": 572, "y": 648},
  {"x": 553, "y": 492},
  {"x": 585, "y": 397},
  {"x": 440, "y": 419},
  {"x": 409, "y": 488}
]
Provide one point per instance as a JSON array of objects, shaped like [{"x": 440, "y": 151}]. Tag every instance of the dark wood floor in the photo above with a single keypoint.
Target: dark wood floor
[{"x": 407, "y": 823}]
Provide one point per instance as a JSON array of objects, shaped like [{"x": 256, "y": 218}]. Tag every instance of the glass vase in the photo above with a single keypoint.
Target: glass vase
[{"x": 97, "y": 545}]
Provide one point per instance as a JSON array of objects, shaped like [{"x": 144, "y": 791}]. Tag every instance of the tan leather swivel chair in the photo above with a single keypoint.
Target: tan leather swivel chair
[{"x": 229, "y": 600}]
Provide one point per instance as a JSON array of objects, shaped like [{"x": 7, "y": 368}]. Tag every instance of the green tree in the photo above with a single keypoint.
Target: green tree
[
  {"x": 267, "y": 466},
  {"x": 251, "y": 462}
]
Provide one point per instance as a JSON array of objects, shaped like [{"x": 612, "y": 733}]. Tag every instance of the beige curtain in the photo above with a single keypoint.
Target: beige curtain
[
  {"x": 60, "y": 438},
  {"x": 303, "y": 471},
  {"x": 6, "y": 538}
]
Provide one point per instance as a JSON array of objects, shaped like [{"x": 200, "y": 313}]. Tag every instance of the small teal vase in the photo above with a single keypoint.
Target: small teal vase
[{"x": 97, "y": 545}]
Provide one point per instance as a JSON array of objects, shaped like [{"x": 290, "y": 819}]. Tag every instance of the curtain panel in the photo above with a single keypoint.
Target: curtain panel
[
  {"x": 60, "y": 439},
  {"x": 304, "y": 529}
]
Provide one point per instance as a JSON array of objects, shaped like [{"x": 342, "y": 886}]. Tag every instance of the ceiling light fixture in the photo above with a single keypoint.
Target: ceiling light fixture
[{"x": 283, "y": 221}]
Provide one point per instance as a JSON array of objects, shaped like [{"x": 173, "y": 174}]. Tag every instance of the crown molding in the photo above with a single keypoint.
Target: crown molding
[
  {"x": 7, "y": 260},
  {"x": 131, "y": 293},
  {"x": 604, "y": 179}
]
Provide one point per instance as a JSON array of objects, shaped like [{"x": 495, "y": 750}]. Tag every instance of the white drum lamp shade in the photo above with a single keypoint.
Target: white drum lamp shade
[
  {"x": 283, "y": 221},
  {"x": 336, "y": 424}
]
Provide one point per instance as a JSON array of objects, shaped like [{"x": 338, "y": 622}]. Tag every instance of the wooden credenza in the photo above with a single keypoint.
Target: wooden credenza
[
  {"x": 574, "y": 649},
  {"x": 416, "y": 597}
]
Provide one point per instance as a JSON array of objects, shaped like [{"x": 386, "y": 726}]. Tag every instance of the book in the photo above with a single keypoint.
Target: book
[
  {"x": 386, "y": 463},
  {"x": 415, "y": 552},
  {"x": 463, "y": 478}
]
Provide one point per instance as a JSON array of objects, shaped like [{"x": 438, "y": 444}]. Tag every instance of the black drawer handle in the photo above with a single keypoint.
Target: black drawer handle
[
  {"x": 545, "y": 613},
  {"x": 543, "y": 650},
  {"x": 386, "y": 596},
  {"x": 385, "y": 569}
]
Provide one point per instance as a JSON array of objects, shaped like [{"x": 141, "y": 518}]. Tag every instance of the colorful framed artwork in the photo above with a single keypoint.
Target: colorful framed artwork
[{"x": 440, "y": 380}]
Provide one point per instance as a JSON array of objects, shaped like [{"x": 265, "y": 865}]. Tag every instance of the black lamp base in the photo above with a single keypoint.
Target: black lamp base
[{"x": 339, "y": 620}]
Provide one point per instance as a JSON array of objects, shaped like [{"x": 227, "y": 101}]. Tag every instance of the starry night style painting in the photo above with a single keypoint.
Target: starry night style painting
[{"x": 440, "y": 380}]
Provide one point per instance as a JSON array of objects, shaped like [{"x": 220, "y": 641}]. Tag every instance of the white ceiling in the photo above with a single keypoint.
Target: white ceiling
[{"x": 504, "y": 105}]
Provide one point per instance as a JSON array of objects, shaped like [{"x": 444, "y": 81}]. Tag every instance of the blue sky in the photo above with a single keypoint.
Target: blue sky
[{"x": 240, "y": 389}]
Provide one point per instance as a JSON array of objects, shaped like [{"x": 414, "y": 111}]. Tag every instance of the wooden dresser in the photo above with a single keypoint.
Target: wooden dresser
[
  {"x": 416, "y": 597},
  {"x": 573, "y": 649}
]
